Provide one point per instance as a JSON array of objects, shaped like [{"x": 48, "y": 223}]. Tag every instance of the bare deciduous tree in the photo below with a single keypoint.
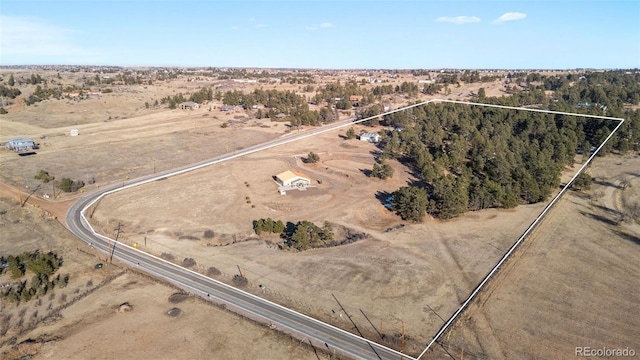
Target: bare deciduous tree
[{"x": 625, "y": 183}]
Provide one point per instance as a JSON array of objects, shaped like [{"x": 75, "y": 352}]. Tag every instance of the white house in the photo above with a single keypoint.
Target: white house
[
  {"x": 21, "y": 144},
  {"x": 370, "y": 137}
]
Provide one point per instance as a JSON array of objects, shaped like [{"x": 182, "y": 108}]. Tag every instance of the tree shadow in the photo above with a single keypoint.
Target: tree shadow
[
  {"x": 630, "y": 237},
  {"x": 385, "y": 198},
  {"x": 289, "y": 229},
  {"x": 606, "y": 183},
  {"x": 580, "y": 194},
  {"x": 599, "y": 218},
  {"x": 366, "y": 172},
  {"x": 608, "y": 210},
  {"x": 418, "y": 183}
]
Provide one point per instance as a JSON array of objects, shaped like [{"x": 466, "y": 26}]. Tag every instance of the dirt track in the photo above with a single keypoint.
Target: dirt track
[{"x": 56, "y": 208}]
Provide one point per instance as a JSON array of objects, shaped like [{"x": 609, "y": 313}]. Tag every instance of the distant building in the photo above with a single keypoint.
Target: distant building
[
  {"x": 188, "y": 105},
  {"x": 370, "y": 137},
  {"x": 230, "y": 108},
  {"x": 21, "y": 144}
]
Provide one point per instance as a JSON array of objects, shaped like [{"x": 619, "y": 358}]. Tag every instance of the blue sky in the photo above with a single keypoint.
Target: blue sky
[{"x": 323, "y": 34}]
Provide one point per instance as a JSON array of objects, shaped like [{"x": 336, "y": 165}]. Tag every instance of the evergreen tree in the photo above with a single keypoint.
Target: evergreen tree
[
  {"x": 410, "y": 202},
  {"x": 312, "y": 158},
  {"x": 351, "y": 133}
]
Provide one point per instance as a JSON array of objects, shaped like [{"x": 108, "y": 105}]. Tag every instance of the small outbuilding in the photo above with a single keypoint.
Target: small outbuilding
[
  {"x": 189, "y": 105},
  {"x": 21, "y": 144},
  {"x": 370, "y": 137},
  {"x": 230, "y": 108}
]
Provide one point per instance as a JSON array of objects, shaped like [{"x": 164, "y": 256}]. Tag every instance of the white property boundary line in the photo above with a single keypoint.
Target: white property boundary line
[
  {"x": 331, "y": 128},
  {"x": 535, "y": 222}
]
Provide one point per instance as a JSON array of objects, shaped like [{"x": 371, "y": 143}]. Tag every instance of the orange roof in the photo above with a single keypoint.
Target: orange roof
[{"x": 288, "y": 175}]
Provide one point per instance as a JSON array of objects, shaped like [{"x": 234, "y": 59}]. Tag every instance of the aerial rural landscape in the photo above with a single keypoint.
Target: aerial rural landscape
[{"x": 172, "y": 204}]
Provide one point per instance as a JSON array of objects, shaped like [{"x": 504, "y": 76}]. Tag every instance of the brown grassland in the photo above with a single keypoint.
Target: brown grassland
[{"x": 573, "y": 283}]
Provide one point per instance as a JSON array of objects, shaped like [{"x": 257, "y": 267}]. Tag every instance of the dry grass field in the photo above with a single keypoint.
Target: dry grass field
[
  {"x": 416, "y": 274},
  {"x": 574, "y": 283},
  {"x": 80, "y": 321}
]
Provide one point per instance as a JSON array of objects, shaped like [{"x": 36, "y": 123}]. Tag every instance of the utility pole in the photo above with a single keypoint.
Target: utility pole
[
  {"x": 20, "y": 189},
  {"x": 349, "y": 317},
  {"x": 113, "y": 249},
  {"x": 402, "y": 340}
]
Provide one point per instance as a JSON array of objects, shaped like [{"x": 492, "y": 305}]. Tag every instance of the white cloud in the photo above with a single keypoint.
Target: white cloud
[
  {"x": 510, "y": 16},
  {"x": 27, "y": 36},
  {"x": 324, "y": 25},
  {"x": 459, "y": 19},
  {"x": 259, "y": 26}
]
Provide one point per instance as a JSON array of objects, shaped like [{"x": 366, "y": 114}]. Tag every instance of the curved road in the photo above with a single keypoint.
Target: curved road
[{"x": 321, "y": 335}]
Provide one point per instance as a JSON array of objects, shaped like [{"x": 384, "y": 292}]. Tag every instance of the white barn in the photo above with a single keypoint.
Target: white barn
[{"x": 21, "y": 144}]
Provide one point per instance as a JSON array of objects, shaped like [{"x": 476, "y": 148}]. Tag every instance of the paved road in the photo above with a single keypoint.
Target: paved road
[{"x": 320, "y": 334}]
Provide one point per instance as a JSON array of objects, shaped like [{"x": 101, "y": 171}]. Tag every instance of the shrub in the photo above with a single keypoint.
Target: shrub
[
  {"x": 212, "y": 271},
  {"x": 68, "y": 185},
  {"x": 188, "y": 262},
  {"x": 167, "y": 256},
  {"x": 239, "y": 280},
  {"x": 44, "y": 177},
  {"x": 312, "y": 158}
]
